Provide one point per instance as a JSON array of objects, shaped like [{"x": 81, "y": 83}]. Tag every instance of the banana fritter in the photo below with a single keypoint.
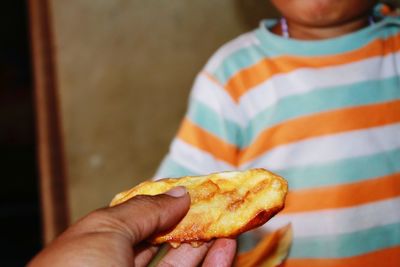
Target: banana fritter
[{"x": 223, "y": 204}]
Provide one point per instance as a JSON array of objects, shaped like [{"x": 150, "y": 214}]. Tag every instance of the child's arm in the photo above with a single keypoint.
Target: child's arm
[{"x": 209, "y": 135}]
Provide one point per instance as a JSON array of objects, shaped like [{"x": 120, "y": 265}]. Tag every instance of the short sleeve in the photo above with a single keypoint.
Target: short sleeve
[{"x": 209, "y": 136}]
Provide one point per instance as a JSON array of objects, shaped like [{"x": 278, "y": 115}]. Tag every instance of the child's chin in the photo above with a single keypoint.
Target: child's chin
[
  {"x": 323, "y": 13},
  {"x": 321, "y": 20}
]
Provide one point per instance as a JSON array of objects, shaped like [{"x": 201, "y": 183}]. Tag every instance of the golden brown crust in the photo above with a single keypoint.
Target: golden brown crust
[{"x": 222, "y": 204}]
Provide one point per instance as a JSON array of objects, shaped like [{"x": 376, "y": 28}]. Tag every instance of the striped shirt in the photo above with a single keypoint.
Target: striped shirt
[{"x": 323, "y": 114}]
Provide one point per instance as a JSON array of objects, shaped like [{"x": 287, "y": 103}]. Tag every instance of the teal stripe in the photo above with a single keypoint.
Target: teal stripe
[
  {"x": 274, "y": 46},
  {"x": 291, "y": 107},
  {"x": 343, "y": 171},
  {"x": 347, "y": 245},
  {"x": 170, "y": 168},
  {"x": 209, "y": 120},
  {"x": 238, "y": 60}
]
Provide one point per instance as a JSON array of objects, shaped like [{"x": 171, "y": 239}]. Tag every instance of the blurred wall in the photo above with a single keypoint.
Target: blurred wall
[{"x": 125, "y": 68}]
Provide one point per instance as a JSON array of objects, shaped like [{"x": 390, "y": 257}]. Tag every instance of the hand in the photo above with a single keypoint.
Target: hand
[{"x": 115, "y": 237}]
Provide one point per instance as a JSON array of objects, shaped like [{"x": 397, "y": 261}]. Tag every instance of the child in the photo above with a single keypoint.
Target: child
[{"x": 314, "y": 97}]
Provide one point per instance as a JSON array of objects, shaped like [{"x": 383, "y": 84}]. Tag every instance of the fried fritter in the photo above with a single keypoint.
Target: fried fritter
[{"x": 223, "y": 204}]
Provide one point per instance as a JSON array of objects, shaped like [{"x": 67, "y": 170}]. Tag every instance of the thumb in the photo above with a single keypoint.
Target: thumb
[{"x": 142, "y": 216}]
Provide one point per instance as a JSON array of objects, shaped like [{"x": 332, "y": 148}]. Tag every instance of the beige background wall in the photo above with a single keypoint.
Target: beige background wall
[{"x": 124, "y": 69}]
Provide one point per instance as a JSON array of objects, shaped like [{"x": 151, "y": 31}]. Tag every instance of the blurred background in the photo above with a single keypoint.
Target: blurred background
[
  {"x": 111, "y": 81},
  {"x": 124, "y": 71}
]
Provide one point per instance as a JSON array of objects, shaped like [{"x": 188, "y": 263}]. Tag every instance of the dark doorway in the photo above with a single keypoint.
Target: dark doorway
[{"x": 19, "y": 199}]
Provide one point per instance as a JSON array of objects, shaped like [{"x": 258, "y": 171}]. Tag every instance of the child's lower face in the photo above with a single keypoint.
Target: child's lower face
[{"x": 323, "y": 13}]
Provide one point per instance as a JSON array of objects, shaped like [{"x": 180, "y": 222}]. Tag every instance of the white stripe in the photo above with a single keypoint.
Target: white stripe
[
  {"x": 339, "y": 221},
  {"x": 330, "y": 148},
  {"x": 305, "y": 80},
  {"x": 243, "y": 41},
  {"x": 195, "y": 159},
  {"x": 217, "y": 99}
]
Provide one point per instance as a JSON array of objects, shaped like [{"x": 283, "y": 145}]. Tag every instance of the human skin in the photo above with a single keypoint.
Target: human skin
[
  {"x": 322, "y": 19},
  {"x": 115, "y": 237}
]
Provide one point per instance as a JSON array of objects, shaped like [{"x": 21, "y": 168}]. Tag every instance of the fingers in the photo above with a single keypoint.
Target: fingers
[
  {"x": 185, "y": 256},
  {"x": 144, "y": 253},
  {"x": 222, "y": 253}
]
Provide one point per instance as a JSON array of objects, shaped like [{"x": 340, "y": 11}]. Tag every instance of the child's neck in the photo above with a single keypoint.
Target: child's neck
[{"x": 307, "y": 32}]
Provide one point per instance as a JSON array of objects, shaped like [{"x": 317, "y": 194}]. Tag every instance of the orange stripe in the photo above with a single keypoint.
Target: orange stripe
[
  {"x": 263, "y": 70},
  {"x": 343, "y": 195},
  {"x": 383, "y": 258},
  {"x": 196, "y": 136},
  {"x": 321, "y": 124}
]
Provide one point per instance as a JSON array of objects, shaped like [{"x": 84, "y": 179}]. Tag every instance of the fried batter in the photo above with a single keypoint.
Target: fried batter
[{"x": 223, "y": 204}]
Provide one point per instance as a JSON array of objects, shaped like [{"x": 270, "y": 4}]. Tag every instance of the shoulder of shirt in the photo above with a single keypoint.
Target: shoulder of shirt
[{"x": 244, "y": 41}]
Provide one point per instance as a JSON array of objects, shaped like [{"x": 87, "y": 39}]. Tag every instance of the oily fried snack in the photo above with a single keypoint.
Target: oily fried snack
[{"x": 223, "y": 204}]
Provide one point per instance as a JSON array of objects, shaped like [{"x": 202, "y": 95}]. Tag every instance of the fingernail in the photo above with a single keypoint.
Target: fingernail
[{"x": 178, "y": 191}]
